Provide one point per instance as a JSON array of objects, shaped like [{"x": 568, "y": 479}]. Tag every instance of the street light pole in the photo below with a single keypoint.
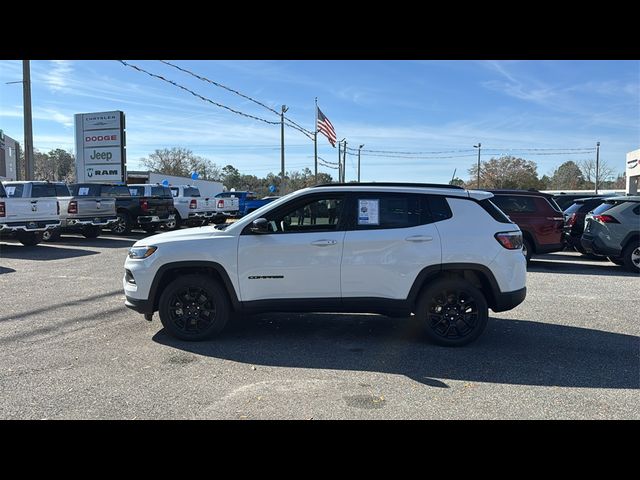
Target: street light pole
[
  {"x": 284, "y": 109},
  {"x": 478, "y": 147},
  {"x": 359, "y": 148},
  {"x": 597, "y": 164}
]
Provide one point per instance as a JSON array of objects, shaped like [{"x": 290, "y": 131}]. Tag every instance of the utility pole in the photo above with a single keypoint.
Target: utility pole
[
  {"x": 315, "y": 142},
  {"x": 284, "y": 109},
  {"x": 340, "y": 160},
  {"x": 478, "y": 147},
  {"x": 28, "y": 124},
  {"x": 359, "y": 148},
  {"x": 597, "y": 164},
  {"x": 344, "y": 163}
]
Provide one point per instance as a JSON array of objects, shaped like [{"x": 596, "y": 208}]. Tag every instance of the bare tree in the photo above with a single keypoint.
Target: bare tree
[
  {"x": 588, "y": 168},
  {"x": 181, "y": 162}
]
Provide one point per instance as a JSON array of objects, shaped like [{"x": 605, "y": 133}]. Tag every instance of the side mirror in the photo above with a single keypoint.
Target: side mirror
[{"x": 260, "y": 225}]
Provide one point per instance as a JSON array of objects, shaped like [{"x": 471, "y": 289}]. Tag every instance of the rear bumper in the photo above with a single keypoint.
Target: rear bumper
[
  {"x": 147, "y": 219},
  {"x": 140, "y": 306},
  {"x": 508, "y": 300},
  {"x": 86, "y": 221},
  {"x": 596, "y": 246},
  {"x": 36, "y": 226}
]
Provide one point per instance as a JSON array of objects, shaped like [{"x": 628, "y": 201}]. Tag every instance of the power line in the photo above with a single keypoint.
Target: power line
[
  {"x": 257, "y": 102},
  {"x": 160, "y": 77}
]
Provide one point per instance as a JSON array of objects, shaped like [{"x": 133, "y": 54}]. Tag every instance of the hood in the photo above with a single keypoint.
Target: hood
[{"x": 184, "y": 234}]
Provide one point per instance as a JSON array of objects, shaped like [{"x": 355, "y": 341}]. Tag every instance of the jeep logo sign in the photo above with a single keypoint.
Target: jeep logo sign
[
  {"x": 100, "y": 146},
  {"x": 102, "y": 155}
]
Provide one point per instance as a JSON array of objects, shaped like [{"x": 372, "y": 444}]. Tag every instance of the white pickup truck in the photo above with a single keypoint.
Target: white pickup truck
[
  {"x": 27, "y": 218},
  {"x": 195, "y": 210}
]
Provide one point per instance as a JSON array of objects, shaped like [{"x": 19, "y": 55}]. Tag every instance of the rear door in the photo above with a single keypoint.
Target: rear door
[{"x": 391, "y": 237}]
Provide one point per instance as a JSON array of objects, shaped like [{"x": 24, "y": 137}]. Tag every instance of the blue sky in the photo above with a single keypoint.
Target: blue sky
[{"x": 413, "y": 106}]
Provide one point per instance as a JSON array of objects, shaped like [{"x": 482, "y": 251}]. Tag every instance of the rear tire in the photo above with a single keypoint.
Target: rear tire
[
  {"x": 92, "y": 231},
  {"x": 174, "y": 224},
  {"x": 631, "y": 256},
  {"x": 123, "y": 225},
  {"x": 453, "y": 312},
  {"x": 527, "y": 250},
  {"x": 194, "y": 308},
  {"x": 29, "y": 239}
]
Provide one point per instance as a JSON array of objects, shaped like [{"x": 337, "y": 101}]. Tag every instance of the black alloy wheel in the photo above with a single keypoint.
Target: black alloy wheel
[
  {"x": 454, "y": 312},
  {"x": 122, "y": 226},
  {"x": 194, "y": 307}
]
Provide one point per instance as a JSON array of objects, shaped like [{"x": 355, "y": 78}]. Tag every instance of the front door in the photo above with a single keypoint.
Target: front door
[{"x": 300, "y": 255}]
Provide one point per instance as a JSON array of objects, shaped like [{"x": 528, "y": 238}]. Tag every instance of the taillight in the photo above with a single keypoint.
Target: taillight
[
  {"x": 605, "y": 219},
  {"x": 72, "y": 208},
  {"x": 572, "y": 220},
  {"x": 3, "y": 212},
  {"x": 510, "y": 240},
  {"x": 220, "y": 203},
  {"x": 193, "y": 204},
  {"x": 144, "y": 205}
]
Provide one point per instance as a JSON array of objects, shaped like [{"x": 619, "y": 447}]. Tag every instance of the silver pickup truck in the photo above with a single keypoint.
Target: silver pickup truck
[
  {"x": 26, "y": 218},
  {"x": 81, "y": 213}
]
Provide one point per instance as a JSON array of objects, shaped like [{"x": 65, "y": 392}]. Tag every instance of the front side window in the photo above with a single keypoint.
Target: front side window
[{"x": 313, "y": 215}]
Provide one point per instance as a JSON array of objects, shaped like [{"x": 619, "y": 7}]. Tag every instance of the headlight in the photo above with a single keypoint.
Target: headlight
[{"x": 141, "y": 252}]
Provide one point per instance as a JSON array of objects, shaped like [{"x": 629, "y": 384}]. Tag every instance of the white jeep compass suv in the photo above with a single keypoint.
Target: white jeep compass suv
[{"x": 443, "y": 253}]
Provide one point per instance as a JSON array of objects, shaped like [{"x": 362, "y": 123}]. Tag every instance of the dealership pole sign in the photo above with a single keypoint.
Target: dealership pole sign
[{"x": 100, "y": 147}]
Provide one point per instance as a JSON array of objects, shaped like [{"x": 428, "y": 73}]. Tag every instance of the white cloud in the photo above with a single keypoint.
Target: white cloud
[{"x": 58, "y": 77}]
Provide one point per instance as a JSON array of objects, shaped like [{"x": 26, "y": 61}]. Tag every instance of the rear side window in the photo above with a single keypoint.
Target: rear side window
[
  {"x": 62, "y": 190},
  {"x": 136, "y": 191},
  {"x": 491, "y": 208},
  {"x": 603, "y": 208},
  {"x": 14, "y": 190},
  {"x": 191, "y": 192},
  {"x": 554, "y": 205},
  {"x": 515, "y": 203},
  {"x": 159, "y": 191},
  {"x": 574, "y": 208},
  {"x": 376, "y": 211},
  {"x": 43, "y": 190},
  {"x": 439, "y": 207}
]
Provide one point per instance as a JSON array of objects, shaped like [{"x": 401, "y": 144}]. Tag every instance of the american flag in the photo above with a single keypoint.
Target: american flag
[{"x": 326, "y": 128}]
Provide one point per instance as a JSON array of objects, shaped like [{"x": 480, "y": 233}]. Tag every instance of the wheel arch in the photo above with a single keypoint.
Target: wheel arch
[
  {"x": 168, "y": 272},
  {"x": 477, "y": 275}
]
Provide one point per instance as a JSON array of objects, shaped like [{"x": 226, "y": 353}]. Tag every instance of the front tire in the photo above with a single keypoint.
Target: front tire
[
  {"x": 123, "y": 225},
  {"x": 51, "y": 235},
  {"x": 194, "y": 308},
  {"x": 453, "y": 312},
  {"x": 631, "y": 256}
]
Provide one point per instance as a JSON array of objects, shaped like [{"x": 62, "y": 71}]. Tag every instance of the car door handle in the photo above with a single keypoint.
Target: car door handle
[
  {"x": 419, "y": 238},
  {"x": 324, "y": 243}
]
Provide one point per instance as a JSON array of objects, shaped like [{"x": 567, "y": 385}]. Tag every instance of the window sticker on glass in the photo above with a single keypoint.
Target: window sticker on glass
[
  {"x": 368, "y": 212},
  {"x": 11, "y": 191},
  {"x": 83, "y": 191},
  {"x": 133, "y": 191}
]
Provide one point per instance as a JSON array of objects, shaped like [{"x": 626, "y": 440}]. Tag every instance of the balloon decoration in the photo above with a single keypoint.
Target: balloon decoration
[
  {"x": 272, "y": 188},
  {"x": 195, "y": 175},
  {"x": 165, "y": 182}
]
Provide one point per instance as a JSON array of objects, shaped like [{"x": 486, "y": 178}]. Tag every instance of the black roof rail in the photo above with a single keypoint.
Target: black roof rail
[{"x": 389, "y": 184}]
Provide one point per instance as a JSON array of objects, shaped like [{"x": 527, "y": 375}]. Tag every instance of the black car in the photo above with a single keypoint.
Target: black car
[
  {"x": 565, "y": 200},
  {"x": 574, "y": 221}
]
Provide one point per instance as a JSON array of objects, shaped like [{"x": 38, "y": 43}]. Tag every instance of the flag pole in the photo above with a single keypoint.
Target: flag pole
[{"x": 315, "y": 141}]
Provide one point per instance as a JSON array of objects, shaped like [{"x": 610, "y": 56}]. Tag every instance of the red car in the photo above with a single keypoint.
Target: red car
[{"x": 538, "y": 216}]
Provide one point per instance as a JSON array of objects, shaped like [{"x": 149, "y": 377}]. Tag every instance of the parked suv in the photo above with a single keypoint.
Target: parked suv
[
  {"x": 613, "y": 229},
  {"x": 574, "y": 221},
  {"x": 537, "y": 215},
  {"x": 443, "y": 253}
]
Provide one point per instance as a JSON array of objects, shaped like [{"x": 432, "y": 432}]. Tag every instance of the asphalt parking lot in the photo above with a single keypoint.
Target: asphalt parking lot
[{"x": 70, "y": 349}]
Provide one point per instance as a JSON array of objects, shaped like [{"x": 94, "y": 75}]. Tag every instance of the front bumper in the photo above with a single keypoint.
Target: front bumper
[{"x": 140, "y": 306}]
